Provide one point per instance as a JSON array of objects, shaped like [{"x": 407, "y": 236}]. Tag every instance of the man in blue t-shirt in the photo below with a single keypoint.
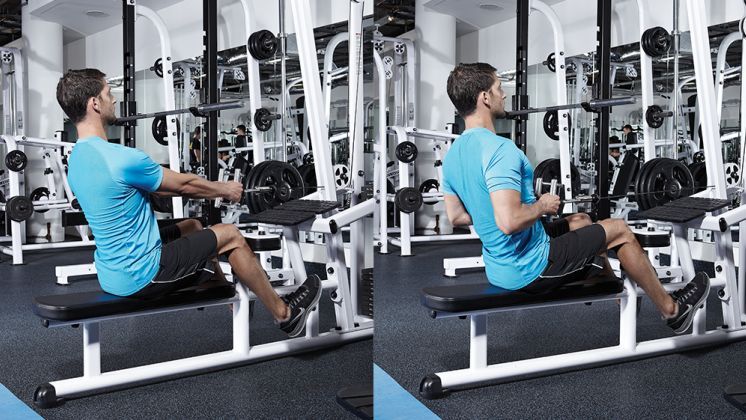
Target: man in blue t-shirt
[
  {"x": 488, "y": 183},
  {"x": 133, "y": 257}
]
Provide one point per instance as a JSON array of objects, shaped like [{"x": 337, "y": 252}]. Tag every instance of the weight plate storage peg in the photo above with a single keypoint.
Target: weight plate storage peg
[
  {"x": 656, "y": 41},
  {"x": 262, "y": 44},
  {"x": 406, "y": 152},
  {"x": 40, "y": 194},
  {"x": 408, "y": 200},
  {"x": 159, "y": 129},
  {"x": 19, "y": 208},
  {"x": 16, "y": 160}
]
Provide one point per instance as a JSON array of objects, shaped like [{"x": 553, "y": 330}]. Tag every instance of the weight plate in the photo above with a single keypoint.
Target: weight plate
[
  {"x": 40, "y": 194},
  {"x": 308, "y": 173},
  {"x": 699, "y": 157},
  {"x": 699, "y": 173},
  {"x": 550, "y": 169},
  {"x": 656, "y": 41},
  {"x": 158, "y": 67},
  {"x": 550, "y": 63},
  {"x": 666, "y": 181},
  {"x": 430, "y": 186},
  {"x": 408, "y": 200},
  {"x": 262, "y": 119},
  {"x": 308, "y": 158},
  {"x": 262, "y": 44},
  {"x": 653, "y": 116},
  {"x": 282, "y": 179},
  {"x": 406, "y": 151},
  {"x": 641, "y": 177},
  {"x": 551, "y": 125},
  {"x": 159, "y": 129},
  {"x": 16, "y": 160},
  {"x": 19, "y": 208}
]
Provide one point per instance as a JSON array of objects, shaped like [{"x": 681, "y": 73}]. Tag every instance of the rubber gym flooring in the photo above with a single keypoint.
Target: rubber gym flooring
[
  {"x": 302, "y": 386},
  {"x": 409, "y": 345}
]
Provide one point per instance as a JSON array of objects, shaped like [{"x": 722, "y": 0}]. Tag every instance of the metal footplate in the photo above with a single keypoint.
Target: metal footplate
[
  {"x": 683, "y": 210},
  {"x": 281, "y": 217},
  {"x": 706, "y": 204},
  {"x": 314, "y": 206}
]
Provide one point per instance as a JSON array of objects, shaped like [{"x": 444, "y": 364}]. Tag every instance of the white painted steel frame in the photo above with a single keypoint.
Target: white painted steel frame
[
  {"x": 255, "y": 92},
  {"x": 646, "y": 81},
  {"x": 174, "y": 161}
]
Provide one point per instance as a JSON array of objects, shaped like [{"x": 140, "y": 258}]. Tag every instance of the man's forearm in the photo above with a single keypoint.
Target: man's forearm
[{"x": 198, "y": 187}]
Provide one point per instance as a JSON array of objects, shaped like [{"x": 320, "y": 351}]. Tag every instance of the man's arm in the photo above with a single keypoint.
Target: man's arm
[
  {"x": 457, "y": 214},
  {"x": 193, "y": 186},
  {"x": 512, "y": 216}
]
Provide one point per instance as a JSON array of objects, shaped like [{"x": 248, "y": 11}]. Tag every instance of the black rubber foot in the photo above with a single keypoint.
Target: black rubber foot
[
  {"x": 46, "y": 397},
  {"x": 431, "y": 388},
  {"x": 736, "y": 395}
]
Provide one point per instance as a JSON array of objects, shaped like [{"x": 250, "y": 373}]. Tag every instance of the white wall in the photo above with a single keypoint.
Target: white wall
[{"x": 73, "y": 54}]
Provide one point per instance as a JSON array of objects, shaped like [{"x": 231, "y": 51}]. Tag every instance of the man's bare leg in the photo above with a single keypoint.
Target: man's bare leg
[
  {"x": 247, "y": 270},
  {"x": 636, "y": 264}
]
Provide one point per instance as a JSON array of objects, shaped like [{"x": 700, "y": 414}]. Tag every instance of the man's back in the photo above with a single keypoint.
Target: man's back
[
  {"x": 480, "y": 162},
  {"x": 111, "y": 183}
]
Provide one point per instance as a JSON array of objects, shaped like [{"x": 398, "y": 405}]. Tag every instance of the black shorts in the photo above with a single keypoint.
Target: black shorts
[
  {"x": 573, "y": 257},
  {"x": 185, "y": 262}
]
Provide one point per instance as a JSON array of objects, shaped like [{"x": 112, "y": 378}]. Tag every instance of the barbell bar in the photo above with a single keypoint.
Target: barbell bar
[
  {"x": 198, "y": 111},
  {"x": 591, "y": 106}
]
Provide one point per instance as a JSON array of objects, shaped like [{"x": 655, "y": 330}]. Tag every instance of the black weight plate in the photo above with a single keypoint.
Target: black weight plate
[
  {"x": 699, "y": 173},
  {"x": 251, "y": 181},
  {"x": 641, "y": 199},
  {"x": 308, "y": 173},
  {"x": 667, "y": 181},
  {"x": 408, "y": 200},
  {"x": 19, "y": 208},
  {"x": 551, "y": 64},
  {"x": 653, "y": 117},
  {"x": 16, "y": 160},
  {"x": 159, "y": 129},
  {"x": 308, "y": 158},
  {"x": 262, "y": 44},
  {"x": 158, "y": 67},
  {"x": 551, "y": 124},
  {"x": 656, "y": 41},
  {"x": 283, "y": 178},
  {"x": 262, "y": 120},
  {"x": 551, "y": 170},
  {"x": 38, "y": 194},
  {"x": 699, "y": 157},
  {"x": 406, "y": 151},
  {"x": 428, "y": 186}
]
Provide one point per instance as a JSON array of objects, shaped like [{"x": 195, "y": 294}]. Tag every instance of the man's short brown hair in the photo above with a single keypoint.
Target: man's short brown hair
[
  {"x": 75, "y": 88},
  {"x": 466, "y": 82}
]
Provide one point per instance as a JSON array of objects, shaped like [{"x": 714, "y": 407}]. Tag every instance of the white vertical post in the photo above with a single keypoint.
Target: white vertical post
[
  {"x": 255, "y": 93},
  {"x": 646, "y": 79},
  {"x": 628, "y": 317},
  {"x": 91, "y": 349},
  {"x": 478, "y": 341},
  {"x": 381, "y": 158},
  {"x": 241, "y": 324}
]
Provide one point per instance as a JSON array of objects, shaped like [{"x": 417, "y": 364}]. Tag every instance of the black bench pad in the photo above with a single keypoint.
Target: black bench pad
[
  {"x": 280, "y": 217},
  {"x": 81, "y": 306},
  {"x": 314, "y": 206},
  {"x": 484, "y": 296}
]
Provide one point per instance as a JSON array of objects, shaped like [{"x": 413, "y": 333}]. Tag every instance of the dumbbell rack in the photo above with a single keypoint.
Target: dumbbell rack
[
  {"x": 53, "y": 162},
  {"x": 440, "y": 142}
]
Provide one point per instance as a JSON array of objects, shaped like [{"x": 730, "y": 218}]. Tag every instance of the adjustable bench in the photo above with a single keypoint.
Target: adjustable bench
[{"x": 478, "y": 300}]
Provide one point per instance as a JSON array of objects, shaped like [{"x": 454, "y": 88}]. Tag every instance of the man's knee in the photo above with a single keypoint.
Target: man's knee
[
  {"x": 583, "y": 219},
  {"x": 229, "y": 237},
  {"x": 194, "y": 225}
]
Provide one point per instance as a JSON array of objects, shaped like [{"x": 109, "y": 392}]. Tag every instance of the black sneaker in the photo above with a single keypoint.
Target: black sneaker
[
  {"x": 689, "y": 298},
  {"x": 301, "y": 302}
]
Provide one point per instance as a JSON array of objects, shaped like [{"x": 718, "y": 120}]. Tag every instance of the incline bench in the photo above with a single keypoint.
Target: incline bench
[{"x": 478, "y": 300}]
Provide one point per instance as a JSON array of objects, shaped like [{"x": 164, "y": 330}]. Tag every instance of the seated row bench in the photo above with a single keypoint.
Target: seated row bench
[{"x": 478, "y": 300}]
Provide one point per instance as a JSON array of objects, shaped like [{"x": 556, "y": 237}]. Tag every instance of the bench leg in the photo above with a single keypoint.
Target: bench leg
[
  {"x": 91, "y": 349},
  {"x": 478, "y": 342},
  {"x": 628, "y": 317}
]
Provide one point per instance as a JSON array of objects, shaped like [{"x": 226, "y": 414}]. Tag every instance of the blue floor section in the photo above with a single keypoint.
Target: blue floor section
[
  {"x": 11, "y": 408},
  {"x": 392, "y": 402}
]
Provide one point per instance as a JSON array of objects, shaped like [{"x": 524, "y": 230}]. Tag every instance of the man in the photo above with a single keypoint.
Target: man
[
  {"x": 240, "y": 141},
  {"x": 132, "y": 257},
  {"x": 488, "y": 183},
  {"x": 195, "y": 148},
  {"x": 630, "y": 137}
]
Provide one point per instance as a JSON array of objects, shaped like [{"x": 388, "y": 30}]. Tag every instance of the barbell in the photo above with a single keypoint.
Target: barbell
[
  {"x": 590, "y": 106},
  {"x": 200, "y": 110}
]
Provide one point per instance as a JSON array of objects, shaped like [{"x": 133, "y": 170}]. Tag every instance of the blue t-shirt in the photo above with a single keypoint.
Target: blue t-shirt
[
  {"x": 111, "y": 183},
  {"x": 478, "y": 163}
]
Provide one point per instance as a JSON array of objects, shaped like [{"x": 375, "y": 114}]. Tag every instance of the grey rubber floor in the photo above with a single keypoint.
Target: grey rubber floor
[
  {"x": 409, "y": 345},
  {"x": 302, "y": 386}
]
